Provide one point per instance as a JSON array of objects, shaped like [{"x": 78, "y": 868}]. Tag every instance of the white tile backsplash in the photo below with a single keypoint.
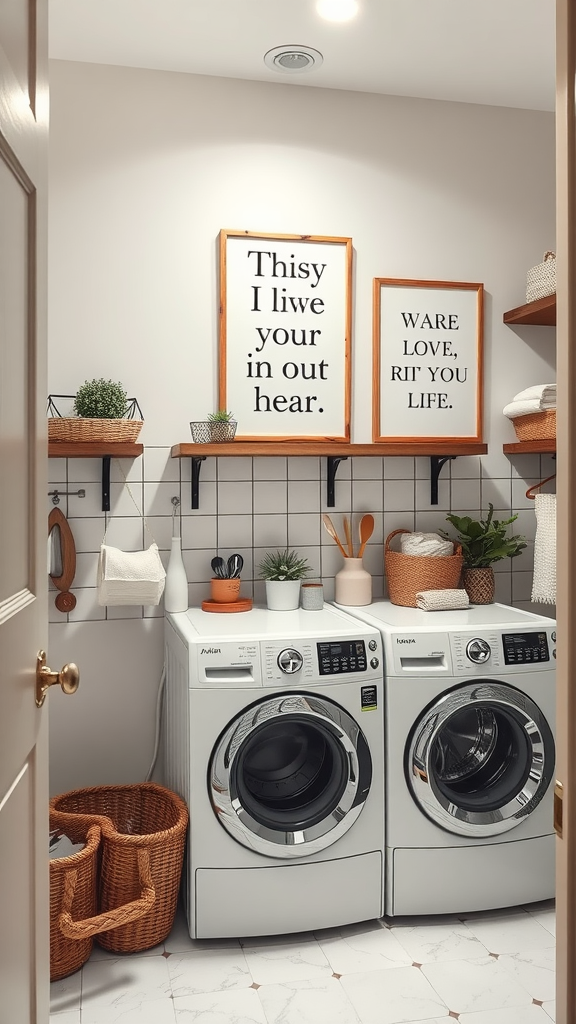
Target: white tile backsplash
[{"x": 265, "y": 503}]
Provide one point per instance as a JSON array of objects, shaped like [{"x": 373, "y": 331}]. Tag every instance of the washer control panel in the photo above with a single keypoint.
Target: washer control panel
[
  {"x": 478, "y": 651},
  {"x": 344, "y": 656},
  {"x": 290, "y": 661},
  {"x": 471, "y": 650},
  {"x": 525, "y": 648}
]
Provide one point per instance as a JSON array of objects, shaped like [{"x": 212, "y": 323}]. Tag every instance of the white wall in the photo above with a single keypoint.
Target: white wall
[{"x": 146, "y": 168}]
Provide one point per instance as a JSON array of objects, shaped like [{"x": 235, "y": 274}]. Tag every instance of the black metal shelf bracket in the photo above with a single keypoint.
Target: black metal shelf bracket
[
  {"x": 332, "y": 463},
  {"x": 436, "y": 463},
  {"x": 196, "y": 462},
  {"x": 106, "y": 459}
]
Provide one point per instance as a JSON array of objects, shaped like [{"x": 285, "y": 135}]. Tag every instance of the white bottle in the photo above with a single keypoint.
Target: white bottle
[{"x": 176, "y": 589}]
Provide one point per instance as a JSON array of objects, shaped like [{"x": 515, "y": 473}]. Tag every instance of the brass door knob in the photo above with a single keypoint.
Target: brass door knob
[{"x": 68, "y": 678}]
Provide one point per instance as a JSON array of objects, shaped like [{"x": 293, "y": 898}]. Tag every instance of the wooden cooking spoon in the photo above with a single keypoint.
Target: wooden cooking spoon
[
  {"x": 366, "y": 530},
  {"x": 329, "y": 526},
  {"x": 348, "y": 532}
]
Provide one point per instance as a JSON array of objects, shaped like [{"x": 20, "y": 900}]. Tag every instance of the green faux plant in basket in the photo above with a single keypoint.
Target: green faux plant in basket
[
  {"x": 101, "y": 399},
  {"x": 484, "y": 541}
]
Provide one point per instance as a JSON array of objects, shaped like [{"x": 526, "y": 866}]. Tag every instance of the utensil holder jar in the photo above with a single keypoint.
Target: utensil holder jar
[{"x": 353, "y": 584}]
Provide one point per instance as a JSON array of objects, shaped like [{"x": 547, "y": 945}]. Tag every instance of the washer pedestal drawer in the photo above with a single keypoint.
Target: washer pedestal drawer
[
  {"x": 297, "y": 897},
  {"x": 466, "y": 878}
]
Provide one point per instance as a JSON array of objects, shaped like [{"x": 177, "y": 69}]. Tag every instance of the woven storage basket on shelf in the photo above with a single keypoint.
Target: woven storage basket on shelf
[
  {"x": 537, "y": 426},
  {"x": 408, "y": 574},
  {"x": 78, "y": 428},
  {"x": 143, "y": 834},
  {"x": 541, "y": 279}
]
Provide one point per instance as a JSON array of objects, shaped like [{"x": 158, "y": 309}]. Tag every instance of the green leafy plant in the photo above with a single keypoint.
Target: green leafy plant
[
  {"x": 220, "y": 417},
  {"x": 484, "y": 540},
  {"x": 101, "y": 399},
  {"x": 283, "y": 565}
]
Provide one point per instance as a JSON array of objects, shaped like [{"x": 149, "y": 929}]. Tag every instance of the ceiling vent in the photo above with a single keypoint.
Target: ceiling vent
[{"x": 292, "y": 60}]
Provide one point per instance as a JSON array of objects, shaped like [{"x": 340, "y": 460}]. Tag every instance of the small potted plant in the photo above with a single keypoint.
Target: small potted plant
[
  {"x": 102, "y": 412},
  {"x": 484, "y": 541},
  {"x": 283, "y": 572},
  {"x": 217, "y": 427}
]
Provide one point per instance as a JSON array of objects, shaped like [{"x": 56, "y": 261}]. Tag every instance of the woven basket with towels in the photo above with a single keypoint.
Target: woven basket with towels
[
  {"x": 533, "y": 413},
  {"x": 409, "y": 574},
  {"x": 541, "y": 279}
]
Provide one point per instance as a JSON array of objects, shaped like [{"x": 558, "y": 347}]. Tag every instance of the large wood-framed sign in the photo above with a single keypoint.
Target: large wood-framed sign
[
  {"x": 285, "y": 330},
  {"x": 427, "y": 381}
]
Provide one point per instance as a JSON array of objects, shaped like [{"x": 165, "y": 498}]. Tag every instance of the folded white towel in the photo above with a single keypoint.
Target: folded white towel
[
  {"x": 441, "y": 600},
  {"x": 130, "y": 577},
  {"x": 544, "y": 580},
  {"x": 545, "y": 393},
  {"x": 430, "y": 544},
  {"x": 523, "y": 408}
]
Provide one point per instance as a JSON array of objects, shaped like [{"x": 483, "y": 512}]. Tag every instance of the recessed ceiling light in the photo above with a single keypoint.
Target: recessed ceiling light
[
  {"x": 337, "y": 10},
  {"x": 293, "y": 60}
]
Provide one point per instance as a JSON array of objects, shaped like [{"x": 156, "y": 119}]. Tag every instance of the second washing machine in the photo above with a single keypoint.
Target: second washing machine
[{"x": 470, "y": 718}]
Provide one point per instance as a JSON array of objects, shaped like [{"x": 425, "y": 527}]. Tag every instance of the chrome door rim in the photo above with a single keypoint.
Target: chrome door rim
[
  {"x": 233, "y": 816},
  {"x": 421, "y": 773}
]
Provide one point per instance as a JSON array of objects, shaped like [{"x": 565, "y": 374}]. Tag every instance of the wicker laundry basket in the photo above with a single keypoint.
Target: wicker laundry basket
[
  {"x": 408, "y": 574},
  {"x": 143, "y": 834},
  {"x": 536, "y": 426},
  {"x": 73, "y": 898}
]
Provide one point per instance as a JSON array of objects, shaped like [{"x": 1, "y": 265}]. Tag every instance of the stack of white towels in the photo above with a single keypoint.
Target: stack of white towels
[{"x": 538, "y": 398}]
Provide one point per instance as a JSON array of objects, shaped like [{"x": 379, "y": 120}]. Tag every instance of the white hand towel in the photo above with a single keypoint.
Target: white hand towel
[
  {"x": 523, "y": 408},
  {"x": 544, "y": 580},
  {"x": 545, "y": 393},
  {"x": 430, "y": 544},
  {"x": 441, "y": 600},
  {"x": 130, "y": 577}
]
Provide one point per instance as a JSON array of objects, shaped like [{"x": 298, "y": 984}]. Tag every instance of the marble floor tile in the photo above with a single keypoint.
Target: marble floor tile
[
  {"x": 105, "y": 954},
  {"x": 511, "y": 1015},
  {"x": 475, "y": 985},
  {"x": 66, "y": 993},
  {"x": 208, "y": 970},
  {"x": 129, "y": 982},
  {"x": 550, "y": 1008},
  {"x": 428, "y": 940},
  {"x": 290, "y": 962},
  {"x": 363, "y": 948},
  {"x": 239, "y": 1007},
  {"x": 547, "y": 918},
  {"x": 395, "y": 996},
  {"x": 153, "y": 1011},
  {"x": 535, "y": 971},
  {"x": 68, "y": 1017},
  {"x": 510, "y": 933},
  {"x": 309, "y": 1001}
]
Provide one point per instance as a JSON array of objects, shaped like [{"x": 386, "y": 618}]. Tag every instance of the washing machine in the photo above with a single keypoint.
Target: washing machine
[
  {"x": 470, "y": 717},
  {"x": 273, "y": 735}
]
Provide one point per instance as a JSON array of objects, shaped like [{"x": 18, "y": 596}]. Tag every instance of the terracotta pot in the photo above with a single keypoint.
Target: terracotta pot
[
  {"x": 224, "y": 591},
  {"x": 479, "y": 584}
]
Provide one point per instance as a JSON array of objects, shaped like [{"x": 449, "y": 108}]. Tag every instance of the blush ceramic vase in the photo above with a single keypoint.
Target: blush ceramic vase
[{"x": 353, "y": 584}]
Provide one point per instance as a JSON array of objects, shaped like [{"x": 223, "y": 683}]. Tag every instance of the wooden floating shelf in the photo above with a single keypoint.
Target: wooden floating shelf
[
  {"x": 540, "y": 313},
  {"x": 547, "y": 446},
  {"x": 310, "y": 448},
  {"x": 94, "y": 449}
]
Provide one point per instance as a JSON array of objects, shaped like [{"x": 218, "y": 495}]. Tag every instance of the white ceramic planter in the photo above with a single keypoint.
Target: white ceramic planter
[{"x": 282, "y": 595}]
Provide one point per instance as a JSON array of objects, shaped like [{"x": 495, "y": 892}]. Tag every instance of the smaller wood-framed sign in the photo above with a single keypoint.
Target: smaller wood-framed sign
[
  {"x": 285, "y": 330},
  {"x": 427, "y": 382}
]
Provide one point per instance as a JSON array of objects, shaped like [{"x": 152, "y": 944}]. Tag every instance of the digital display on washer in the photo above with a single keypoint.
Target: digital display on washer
[
  {"x": 345, "y": 656},
  {"x": 525, "y": 648}
]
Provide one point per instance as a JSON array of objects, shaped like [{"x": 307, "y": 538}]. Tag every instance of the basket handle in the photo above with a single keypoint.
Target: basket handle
[
  {"x": 390, "y": 536},
  {"x": 110, "y": 918},
  {"x": 549, "y": 255}
]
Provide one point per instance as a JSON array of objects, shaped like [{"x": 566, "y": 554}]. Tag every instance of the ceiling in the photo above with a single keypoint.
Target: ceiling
[{"x": 498, "y": 52}]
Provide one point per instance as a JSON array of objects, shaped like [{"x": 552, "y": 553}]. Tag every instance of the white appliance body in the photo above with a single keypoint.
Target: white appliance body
[
  {"x": 469, "y": 733},
  {"x": 273, "y": 735}
]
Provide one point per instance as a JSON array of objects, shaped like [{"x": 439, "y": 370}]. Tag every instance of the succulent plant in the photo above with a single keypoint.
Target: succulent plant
[
  {"x": 222, "y": 416},
  {"x": 283, "y": 565},
  {"x": 101, "y": 399}
]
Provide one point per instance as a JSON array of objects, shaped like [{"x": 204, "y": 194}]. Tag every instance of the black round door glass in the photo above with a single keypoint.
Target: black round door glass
[
  {"x": 481, "y": 758},
  {"x": 290, "y": 773}
]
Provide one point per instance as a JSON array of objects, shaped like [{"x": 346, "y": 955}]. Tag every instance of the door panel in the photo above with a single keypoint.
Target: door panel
[{"x": 24, "y": 945}]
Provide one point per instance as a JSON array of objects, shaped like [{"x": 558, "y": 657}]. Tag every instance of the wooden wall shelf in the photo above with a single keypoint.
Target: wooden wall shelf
[
  {"x": 540, "y": 313},
  {"x": 547, "y": 447},
  {"x": 438, "y": 452},
  {"x": 105, "y": 450}
]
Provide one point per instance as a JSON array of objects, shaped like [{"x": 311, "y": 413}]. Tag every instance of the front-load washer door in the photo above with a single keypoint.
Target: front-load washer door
[
  {"x": 290, "y": 775},
  {"x": 480, "y": 759}
]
